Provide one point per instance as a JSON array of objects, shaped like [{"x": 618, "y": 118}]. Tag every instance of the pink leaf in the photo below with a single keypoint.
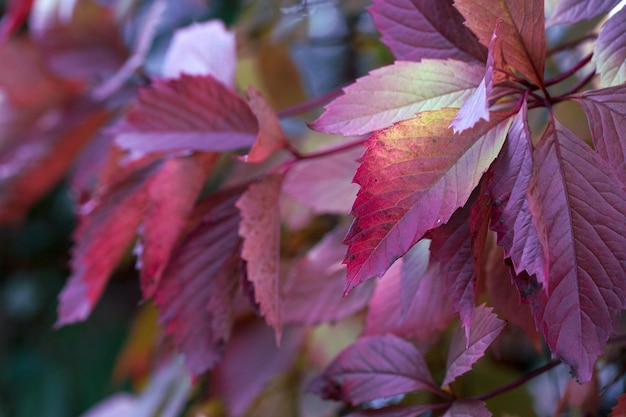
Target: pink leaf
[
  {"x": 468, "y": 408},
  {"x": 325, "y": 184},
  {"x": 187, "y": 113},
  {"x": 413, "y": 176},
  {"x": 104, "y": 232},
  {"x": 606, "y": 112},
  {"x": 609, "y": 52},
  {"x": 419, "y": 29},
  {"x": 572, "y": 11},
  {"x": 312, "y": 290},
  {"x": 271, "y": 136},
  {"x": 510, "y": 214},
  {"x": 196, "y": 291},
  {"x": 397, "y": 92},
  {"x": 188, "y": 52},
  {"x": 260, "y": 230},
  {"x": 522, "y": 31},
  {"x": 251, "y": 360},
  {"x": 587, "y": 281},
  {"x": 171, "y": 198},
  {"x": 429, "y": 299},
  {"x": 464, "y": 353},
  {"x": 374, "y": 367}
]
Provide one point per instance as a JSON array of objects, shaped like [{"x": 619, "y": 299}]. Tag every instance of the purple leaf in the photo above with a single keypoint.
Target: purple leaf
[
  {"x": 606, "y": 112},
  {"x": 413, "y": 176},
  {"x": 271, "y": 136},
  {"x": 510, "y": 214},
  {"x": 609, "y": 52},
  {"x": 397, "y": 92},
  {"x": 468, "y": 408},
  {"x": 572, "y": 11},
  {"x": 251, "y": 360},
  {"x": 312, "y": 290},
  {"x": 188, "y": 52},
  {"x": 396, "y": 411},
  {"x": 414, "y": 266},
  {"x": 573, "y": 197},
  {"x": 197, "y": 288},
  {"x": 374, "y": 367},
  {"x": 420, "y": 29},
  {"x": 464, "y": 353},
  {"x": 188, "y": 113}
]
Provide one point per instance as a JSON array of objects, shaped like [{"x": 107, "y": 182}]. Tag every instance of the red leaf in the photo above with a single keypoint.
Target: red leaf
[
  {"x": 609, "y": 51},
  {"x": 572, "y": 11},
  {"x": 251, "y": 360},
  {"x": 271, "y": 136},
  {"x": 260, "y": 230},
  {"x": 188, "y": 54},
  {"x": 419, "y": 29},
  {"x": 15, "y": 16},
  {"x": 325, "y": 184},
  {"x": 464, "y": 353},
  {"x": 374, "y": 367},
  {"x": 312, "y": 290},
  {"x": 587, "y": 281},
  {"x": 171, "y": 198},
  {"x": 104, "y": 232},
  {"x": 401, "y": 91},
  {"x": 428, "y": 299},
  {"x": 195, "y": 295},
  {"x": 620, "y": 409},
  {"x": 468, "y": 408},
  {"x": 510, "y": 213},
  {"x": 522, "y": 31},
  {"x": 187, "y": 113},
  {"x": 413, "y": 176},
  {"x": 414, "y": 266},
  {"x": 606, "y": 112}
]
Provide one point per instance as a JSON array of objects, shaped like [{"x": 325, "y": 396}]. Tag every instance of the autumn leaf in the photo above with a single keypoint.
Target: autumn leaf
[
  {"x": 419, "y": 29},
  {"x": 400, "y": 91},
  {"x": 609, "y": 51},
  {"x": 374, "y": 367},
  {"x": 413, "y": 176},
  {"x": 586, "y": 276},
  {"x": 260, "y": 230}
]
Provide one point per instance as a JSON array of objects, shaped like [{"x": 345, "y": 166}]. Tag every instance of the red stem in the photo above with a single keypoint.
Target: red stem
[
  {"x": 324, "y": 152},
  {"x": 558, "y": 78},
  {"x": 517, "y": 383},
  {"x": 310, "y": 104}
]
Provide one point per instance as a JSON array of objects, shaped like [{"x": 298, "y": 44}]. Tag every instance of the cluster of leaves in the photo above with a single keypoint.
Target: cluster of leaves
[{"x": 461, "y": 198}]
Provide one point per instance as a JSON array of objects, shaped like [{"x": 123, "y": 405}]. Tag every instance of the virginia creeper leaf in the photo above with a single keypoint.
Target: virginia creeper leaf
[
  {"x": 522, "y": 31},
  {"x": 430, "y": 299},
  {"x": 572, "y": 11},
  {"x": 414, "y": 266},
  {"x": 271, "y": 136},
  {"x": 419, "y": 29},
  {"x": 413, "y": 176},
  {"x": 251, "y": 360},
  {"x": 397, "y": 92},
  {"x": 374, "y": 367},
  {"x": 312, "y": 289},
  {"x": 104, "y": 232},
  {"x": 571, "y": 189},
  {"x": 463, "y": 352},
  {"x": 187, "y": 113},
  {"x": 15, "y": 16},
  {"x": 609, "y": 51},
  {"x": 171, "y": 198},
  {"x": 260, "y": 230},
  {"x": 510, "y": 215},
  {"x": 188, "y": 54},
  {"x": 468, "y": 408},
  {"x": 325, "y": 184},
  {"x": 197, "y": 287},
  {"x": 606, "y": 113}
]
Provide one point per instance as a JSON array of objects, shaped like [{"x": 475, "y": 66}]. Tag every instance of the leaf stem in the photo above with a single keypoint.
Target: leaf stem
[
  {"x": 558, "y": 78},
  {"x": 310, "y": 104},
  {"x": 521, "y": 381},
  {"x": 578, "y": 86},
  {"x": 299, "y": 156}
]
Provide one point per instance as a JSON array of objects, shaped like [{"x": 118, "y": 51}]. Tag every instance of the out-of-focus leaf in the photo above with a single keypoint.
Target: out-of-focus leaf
[
  {"x": 620, "y": 408},
  {"x": 583, "y": 398},
  {"x": 271, "y": 136},
  {"x": 260, "y": 230},
  {"x": 609, "y": 51},
  {"x": 16, "y": 14},
  {"x": 572, "y": 11},
  {"x": 419, "y": 29},
  {"x": 468, "y": 408},
  {"x": 398, "y": 92}
]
